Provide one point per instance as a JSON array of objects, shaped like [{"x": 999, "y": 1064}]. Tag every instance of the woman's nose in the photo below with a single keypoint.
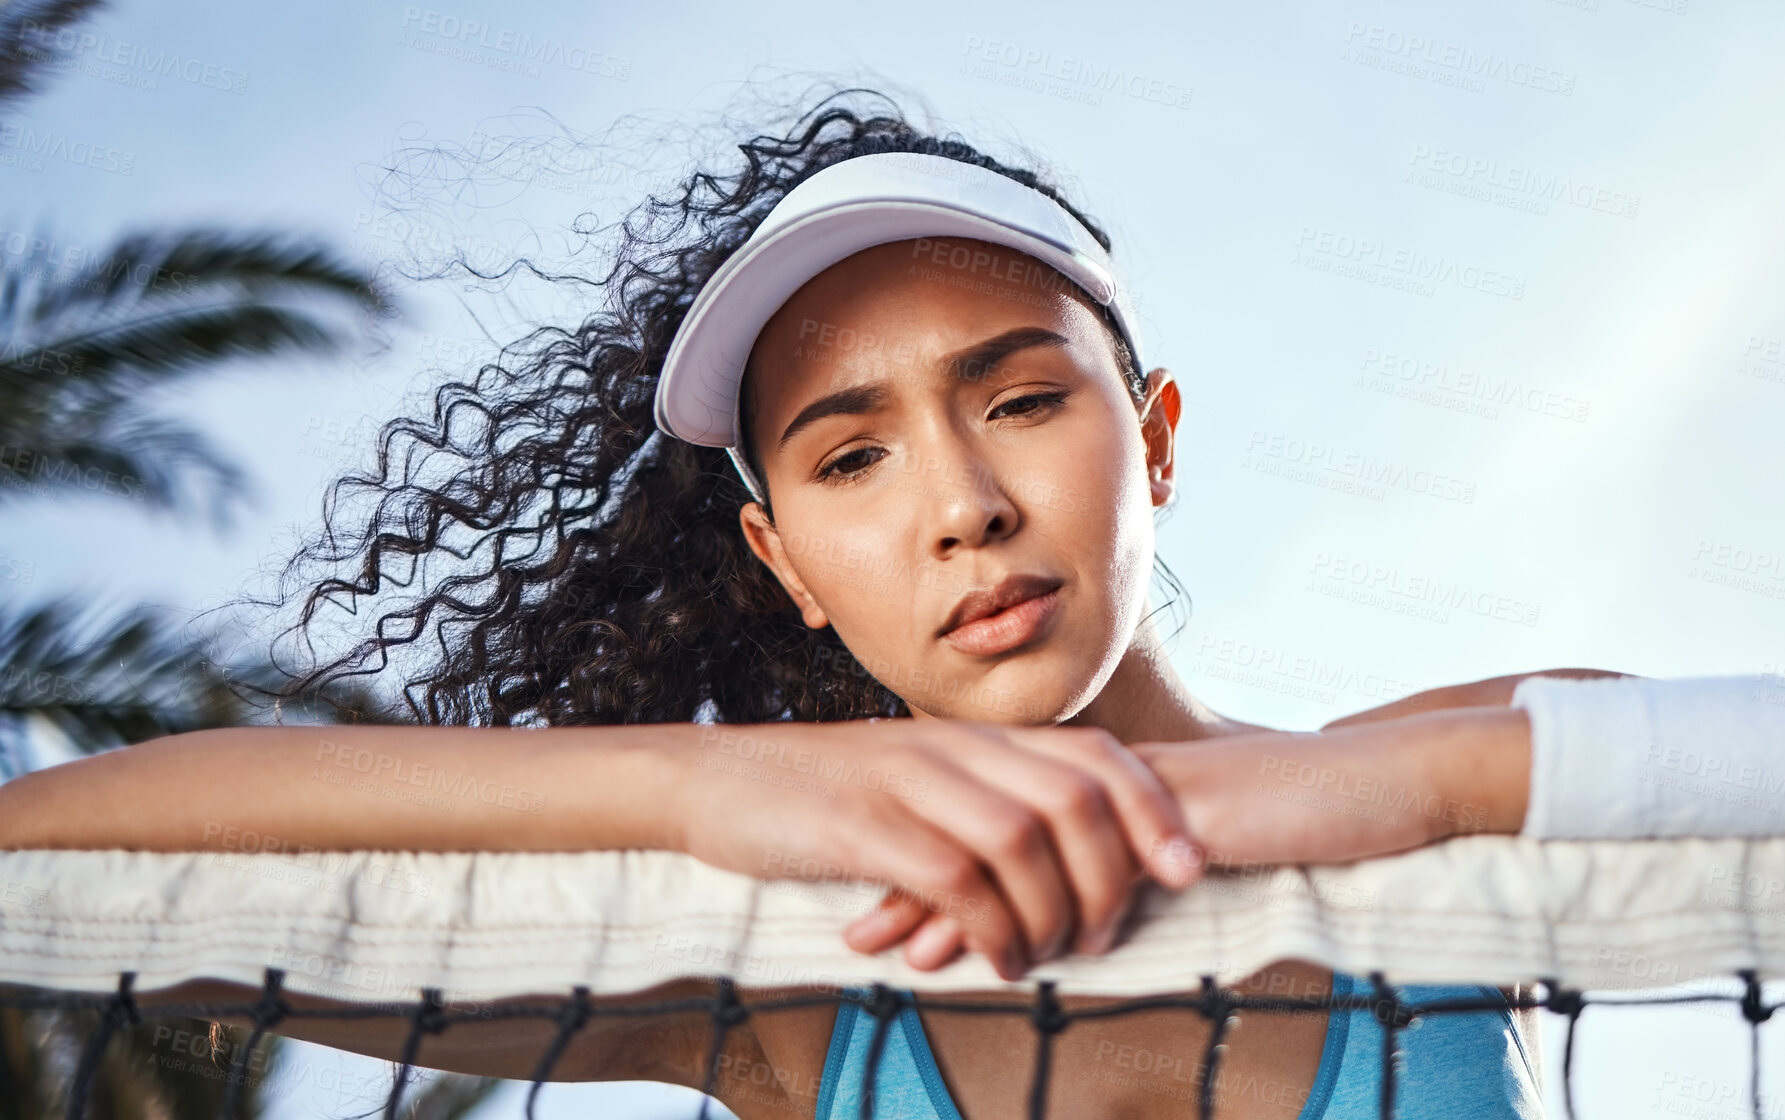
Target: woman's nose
[{"x": 969, "y": 506}]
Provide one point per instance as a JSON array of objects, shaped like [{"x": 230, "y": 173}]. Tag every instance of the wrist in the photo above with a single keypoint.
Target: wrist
[
  {"x": 659, "y": 779},
  {"x": 690, "y": 770},
  {"x": 1484, "y": 763}
]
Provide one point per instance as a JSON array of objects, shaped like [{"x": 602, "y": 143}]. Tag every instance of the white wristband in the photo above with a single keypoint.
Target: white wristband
[{"x": 1625, "y": 758}]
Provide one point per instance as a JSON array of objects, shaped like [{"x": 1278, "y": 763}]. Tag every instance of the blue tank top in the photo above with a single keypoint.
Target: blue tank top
[{"x": 1460, "y": 1065}]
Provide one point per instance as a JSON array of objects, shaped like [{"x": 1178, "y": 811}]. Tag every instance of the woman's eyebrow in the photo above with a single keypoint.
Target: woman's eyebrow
[
  {"x": 973, "y": 363},
  {"x": 844, "y": 402},
  {"x": 978, "y": 360}
]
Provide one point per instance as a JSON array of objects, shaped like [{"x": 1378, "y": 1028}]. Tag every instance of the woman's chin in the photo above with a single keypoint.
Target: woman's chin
[{"x": 1032, "y": 695}]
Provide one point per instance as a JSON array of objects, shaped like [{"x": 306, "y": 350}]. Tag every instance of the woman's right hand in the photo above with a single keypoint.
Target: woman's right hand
[{"x": 998, "y": 839}]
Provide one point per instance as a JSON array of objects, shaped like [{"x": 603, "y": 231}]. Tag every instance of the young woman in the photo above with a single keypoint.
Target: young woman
[{"x": 892, "y": 505}]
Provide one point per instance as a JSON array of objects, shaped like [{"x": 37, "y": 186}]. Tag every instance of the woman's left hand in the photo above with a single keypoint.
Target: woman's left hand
[
  {"x": 1346, "y": 793},
  {"x": 1380, "y": 785},
  {"x": 1428, "y": 766}
]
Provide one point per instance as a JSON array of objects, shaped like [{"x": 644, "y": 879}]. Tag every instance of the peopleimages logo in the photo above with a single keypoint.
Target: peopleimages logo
[
  {"x": 1432, "y": 167},
  {"x": 32, "y": 146},
  {"x": 1419, "y": 587},
  {"x": 1467, "y": 386},
  {"x": 473, "y": 37},
  {"x": 1363, "y": 257},
  {"x": 1257, "y": 663},
  {"x": 99, "y": 49},
  {"x": 1077, "y": 79},
  {"x": 1465, "y": 63},
  {"x": 1266, "y": 451}
]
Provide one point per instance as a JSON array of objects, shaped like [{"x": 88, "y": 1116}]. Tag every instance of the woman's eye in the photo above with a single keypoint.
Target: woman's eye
[
  {"x": 1025, "y": 405},
  {"x": 849, "y": 464}
]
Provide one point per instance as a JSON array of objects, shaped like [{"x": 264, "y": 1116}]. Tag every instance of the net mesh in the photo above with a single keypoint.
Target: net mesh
[
  {"x": 429, "y": 1015},
  {"x": 1609, "y": 915}
]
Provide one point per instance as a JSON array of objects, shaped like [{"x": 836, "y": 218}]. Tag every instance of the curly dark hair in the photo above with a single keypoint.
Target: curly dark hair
[{"x": 602, "y": 575}]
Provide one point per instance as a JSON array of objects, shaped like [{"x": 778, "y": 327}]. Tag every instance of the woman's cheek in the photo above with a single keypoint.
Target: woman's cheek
[{"x": 1119, "y": 522}]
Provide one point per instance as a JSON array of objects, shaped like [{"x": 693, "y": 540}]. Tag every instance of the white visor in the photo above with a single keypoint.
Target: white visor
[{"x": 836, "y": 213}]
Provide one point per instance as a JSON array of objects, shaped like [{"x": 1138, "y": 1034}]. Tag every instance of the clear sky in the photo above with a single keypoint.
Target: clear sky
[{"x": 1479, "y": 297}]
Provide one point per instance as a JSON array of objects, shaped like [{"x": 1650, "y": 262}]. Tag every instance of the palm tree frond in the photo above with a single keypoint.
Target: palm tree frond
[
  {"x": 79, "y": 350},
  {"x": 205, "y": 263},
  {"x": 155, "y": 462},
  {"x": 108, "y": 366},
  {"x": 31, "y": 40},
  {"x": 106, "y": 682}
]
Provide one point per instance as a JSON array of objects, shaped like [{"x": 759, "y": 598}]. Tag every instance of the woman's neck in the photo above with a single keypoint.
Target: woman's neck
[{"x": 1145, "y": 701}]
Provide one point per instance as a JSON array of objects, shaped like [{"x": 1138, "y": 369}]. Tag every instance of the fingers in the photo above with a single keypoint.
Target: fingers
[
  {"x": 945, "y": 877},
  {"x": 1063, "y": 820},
  {"x": 894, "y": 919},
  {"x": 1146, "y": 809},
  {"x": 1101, "y": 872},
  {"x": 1040, "y": 832},
  {"x": 1012, "y": 840},
  {"x": 935, "y": 944},
  {"x": 931, "y": 940}
]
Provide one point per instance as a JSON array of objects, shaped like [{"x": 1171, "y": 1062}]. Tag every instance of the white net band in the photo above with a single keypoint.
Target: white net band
[{"x": 377, "y": 925}]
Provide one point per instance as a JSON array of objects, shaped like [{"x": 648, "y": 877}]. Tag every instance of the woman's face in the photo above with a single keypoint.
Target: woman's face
[{"x": 945, "y": 432}]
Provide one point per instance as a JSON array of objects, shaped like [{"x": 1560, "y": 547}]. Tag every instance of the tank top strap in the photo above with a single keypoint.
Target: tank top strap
[
  {"x": 1332, "y": 1056},
  {"x": 907, "y": 1084}
]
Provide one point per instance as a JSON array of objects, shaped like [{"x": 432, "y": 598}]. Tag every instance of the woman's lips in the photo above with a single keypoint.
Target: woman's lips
[{"x": 1009, "y": 628}]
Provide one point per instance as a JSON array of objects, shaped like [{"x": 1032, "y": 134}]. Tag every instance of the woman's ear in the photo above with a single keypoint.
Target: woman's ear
[
  {"x": 1159, "y": 410},
  {"x": 765, "y": 541}
]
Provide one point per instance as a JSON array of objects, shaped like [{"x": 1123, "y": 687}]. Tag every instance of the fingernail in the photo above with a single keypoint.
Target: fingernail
[
  {"x": 930, "y": 941},
  {"x": 862, "y": 926},
  {"x": 1177, "y": 861}
]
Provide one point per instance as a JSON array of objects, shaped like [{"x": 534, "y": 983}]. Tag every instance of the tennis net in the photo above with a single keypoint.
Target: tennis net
[{"x": 433, "y": 941}]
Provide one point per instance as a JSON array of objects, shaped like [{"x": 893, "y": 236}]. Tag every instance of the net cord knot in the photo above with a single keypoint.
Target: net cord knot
[
  {"x": 1046, "y": 1014},
  {"x": 1562, "y": 1000},
  {"x": 272, "y": 1007},
  {"x": 1568, "y": 1003},
  {"x": 1218, "y": 1007},
  {"x": 120, "y": 1013},
  {"x": 1754, "y": 1009},
  {"x": 122, "y": 1009},
  {"x": 1049, "y": 1019},
  {"x": 882, "y": 1002},
  {"x": 574, "y": 1015},
  {"x": 1388, "y": 1010},
  {"x": 1214, "y": 1004},
  {"x": 429, "y": 1018},
  {"x": 727, "y": 1011},
  {"x": 1392, "y": 1014},
  {"x": 266, "y": 1013},
  {"x": 430, "y": 1014}
]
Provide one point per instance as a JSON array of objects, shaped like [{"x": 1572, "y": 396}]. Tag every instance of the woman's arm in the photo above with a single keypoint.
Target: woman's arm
[
  {"x": 398, "y": 788},
  {"x": 360, "y": 787},
  {"x": 1026, "y": 834},
  {"x": 1351, "y": 792},
  {"x": 1475, "y": 694}
]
